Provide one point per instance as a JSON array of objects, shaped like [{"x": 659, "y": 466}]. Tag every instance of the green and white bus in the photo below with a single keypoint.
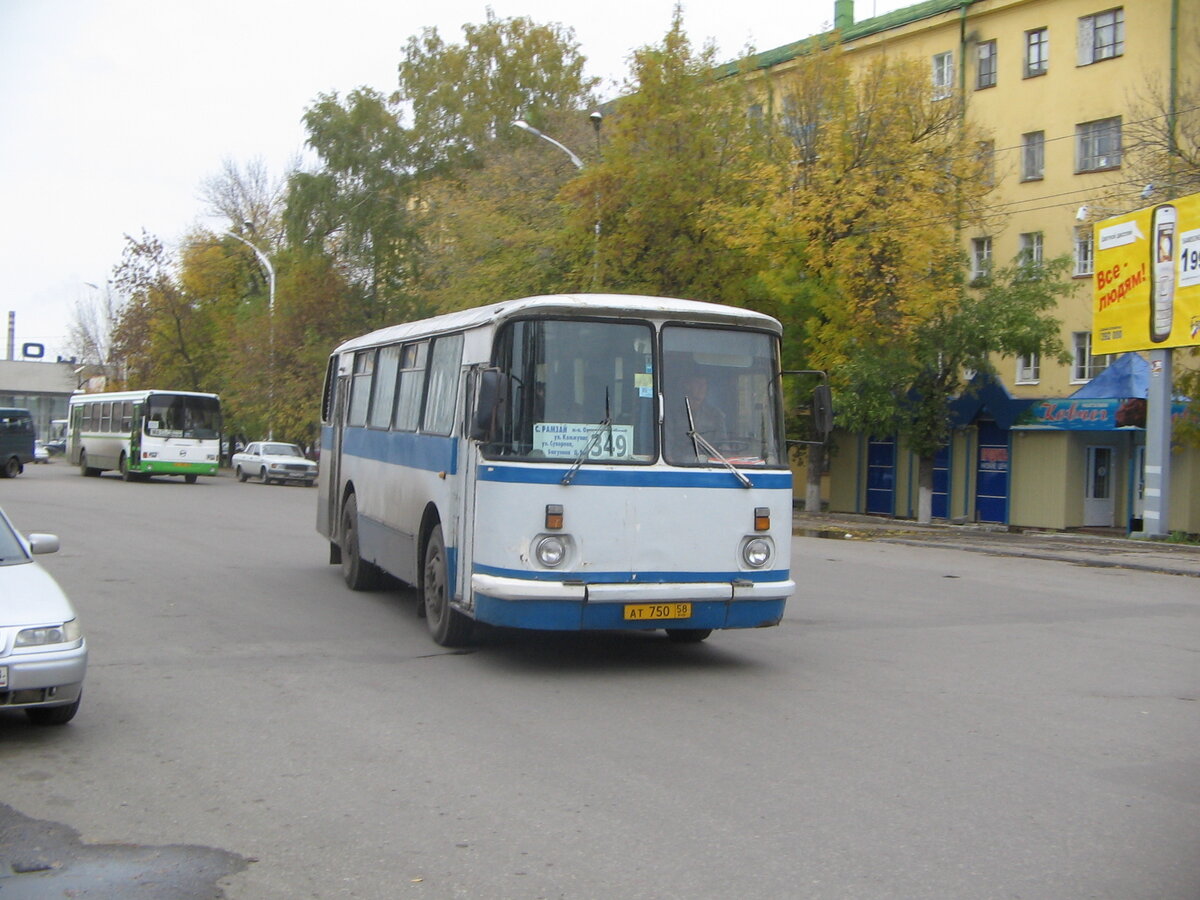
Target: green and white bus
[{"x": 144, "y": 433}]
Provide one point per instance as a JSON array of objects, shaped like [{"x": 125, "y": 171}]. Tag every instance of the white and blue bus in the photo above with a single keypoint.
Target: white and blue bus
[
  {"x": 564, "y": 463},
  {"x": 144, "y": 433}
]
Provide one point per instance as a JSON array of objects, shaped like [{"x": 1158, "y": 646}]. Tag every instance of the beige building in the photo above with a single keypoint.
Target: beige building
[{"x": 1058, "y": 85}]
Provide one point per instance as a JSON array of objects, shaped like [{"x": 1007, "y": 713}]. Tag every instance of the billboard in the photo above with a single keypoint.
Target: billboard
[{"x": 1147, "y": 279}]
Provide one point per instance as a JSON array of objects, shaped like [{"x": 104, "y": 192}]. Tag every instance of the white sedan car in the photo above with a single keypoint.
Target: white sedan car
[
  {"x": 274, "y": 461},
  {"x": 43, "y": 654}
]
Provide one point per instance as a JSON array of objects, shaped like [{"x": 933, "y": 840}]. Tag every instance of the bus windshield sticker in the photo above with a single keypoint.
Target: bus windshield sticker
[{"x": 567, "y": 439}]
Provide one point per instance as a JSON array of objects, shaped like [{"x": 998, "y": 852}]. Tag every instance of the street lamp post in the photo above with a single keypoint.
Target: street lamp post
[
  {"x": 596, "y": 118},
  {"x": 270, "y": 332}
]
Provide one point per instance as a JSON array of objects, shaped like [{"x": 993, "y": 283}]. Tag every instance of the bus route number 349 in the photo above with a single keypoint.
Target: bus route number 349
[{"x": 636, "y": 612}]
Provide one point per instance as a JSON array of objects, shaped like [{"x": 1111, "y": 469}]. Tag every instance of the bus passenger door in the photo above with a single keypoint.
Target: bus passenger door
[
  {"x": 468, "y": 472},
  {"x": 330, "y": 485}
]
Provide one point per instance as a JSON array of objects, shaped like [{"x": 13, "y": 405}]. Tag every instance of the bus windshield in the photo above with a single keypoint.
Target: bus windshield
[
  {"x": 182, "y": 416},
  {"x": 583, "y": 390}
]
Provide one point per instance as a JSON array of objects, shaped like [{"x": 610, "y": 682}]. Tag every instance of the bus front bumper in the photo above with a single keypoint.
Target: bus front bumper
[{"x": 572, "y": 606}]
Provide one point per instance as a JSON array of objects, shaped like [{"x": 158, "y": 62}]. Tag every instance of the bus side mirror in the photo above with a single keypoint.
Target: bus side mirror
[
  {"x": 490, "y": 398},
  {"x": 822, "y": 410}
]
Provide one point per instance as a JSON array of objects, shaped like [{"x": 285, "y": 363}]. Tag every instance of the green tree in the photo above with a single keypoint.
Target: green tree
[
  {"x": 674, "y": 157},
  {"x": 463, "y": 97}
]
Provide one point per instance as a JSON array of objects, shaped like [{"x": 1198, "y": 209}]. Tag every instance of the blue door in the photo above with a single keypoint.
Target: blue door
[
  {"x": 941, "y": 483},
  {"x": 991, "y": 482},
  {"x": 881, "y": 476}
]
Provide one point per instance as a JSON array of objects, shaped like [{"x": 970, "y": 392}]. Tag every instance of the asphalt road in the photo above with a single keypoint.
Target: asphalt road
[{"x": 926, "y": 722}]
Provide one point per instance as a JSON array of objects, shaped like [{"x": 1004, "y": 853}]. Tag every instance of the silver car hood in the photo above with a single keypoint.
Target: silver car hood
[{"x": 29, "y": 595}]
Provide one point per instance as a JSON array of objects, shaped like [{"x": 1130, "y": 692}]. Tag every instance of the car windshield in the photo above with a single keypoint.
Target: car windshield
[
  {"x": 281, "y": 450},
  {"x": 11, "y": 550}
]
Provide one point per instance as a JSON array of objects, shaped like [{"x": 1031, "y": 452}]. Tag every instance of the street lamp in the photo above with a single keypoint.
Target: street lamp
[
  {"x": 596, "y": 118},
  {"x": 270, "y": 331}
]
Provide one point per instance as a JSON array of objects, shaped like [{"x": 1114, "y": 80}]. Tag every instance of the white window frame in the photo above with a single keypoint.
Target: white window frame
[
  {"x": 1098, "y": 145},
  {"x": 985, "y": 74},
  {"x": 1037, "y": 52},
  {"x": 1085, "y": 254},
  {"x": 1101, "y": 36},
  {"x": 1085, "y": 365},
  {"x": 1033, "y": 156},
  {"x": 981, "y": 257},
  {"x": 943, "y": 75},
  {"x": 1032, "y": 248},
  {"x": 1029, "y": 368}
]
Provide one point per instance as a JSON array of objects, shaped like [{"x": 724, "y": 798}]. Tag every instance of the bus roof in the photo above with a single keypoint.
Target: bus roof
[
  {"x": 135, "y": 395},
  {"x": 577, "y": 304}
]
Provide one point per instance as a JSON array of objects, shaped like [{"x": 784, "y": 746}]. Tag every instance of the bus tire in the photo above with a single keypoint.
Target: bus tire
[
  {"x": 358, "y": 574},
  {"x": 12, "y": 467},
  {"x": 687, "y": 635},
  {"x": 84, "y": 468},
  {"x": 190, "y": 479},
  {"x": 449, "y": 627},
  {"x": 124, "y": 467}
]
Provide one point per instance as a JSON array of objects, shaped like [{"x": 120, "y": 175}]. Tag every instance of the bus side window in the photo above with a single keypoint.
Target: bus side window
[
  {"x": 360, "y": 389},
  {"x": 443, "y": 384}
]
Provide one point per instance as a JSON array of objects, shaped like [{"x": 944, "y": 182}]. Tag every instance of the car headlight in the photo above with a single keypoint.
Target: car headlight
[
  {"x": 66, "y": 633},
  {"x": 756, "y": 552},
  {"x": 550, "y": 550}
]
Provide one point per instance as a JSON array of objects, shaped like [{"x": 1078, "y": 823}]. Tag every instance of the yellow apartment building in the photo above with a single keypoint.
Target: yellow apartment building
[{"x": 1056, "y": 84}]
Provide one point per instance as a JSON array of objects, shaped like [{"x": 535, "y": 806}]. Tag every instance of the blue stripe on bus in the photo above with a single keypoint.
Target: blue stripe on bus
[
  {"x": 634, "y": 477},
  {"x": 765, "y": 577},
  {"x": 576, "y": 615},
  {"x": 432, "y": 453}
]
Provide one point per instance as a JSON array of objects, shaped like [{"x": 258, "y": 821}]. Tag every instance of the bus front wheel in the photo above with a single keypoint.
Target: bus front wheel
[
  {"x": 449, "y": 627},
  {"x": 359, "y": 574}
]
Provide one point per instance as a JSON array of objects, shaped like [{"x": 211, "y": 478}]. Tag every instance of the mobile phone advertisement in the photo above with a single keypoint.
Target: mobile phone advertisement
[{"x": 1147, "y": 278}]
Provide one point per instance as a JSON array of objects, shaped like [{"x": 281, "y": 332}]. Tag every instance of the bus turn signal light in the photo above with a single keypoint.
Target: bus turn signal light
[
  {"x": 762, "y": 518},
  {"x": 554, "y": 517}
]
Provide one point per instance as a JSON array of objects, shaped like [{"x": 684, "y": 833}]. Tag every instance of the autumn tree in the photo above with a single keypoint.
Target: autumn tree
[
  {"x": 871, "y": 180},
  {"x": 674, "y": 150},
  {"x": 165, "y": 335}
]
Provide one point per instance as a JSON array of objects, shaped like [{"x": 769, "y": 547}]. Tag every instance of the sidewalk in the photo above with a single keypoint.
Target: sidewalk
[{"x": 1073, "y": 547}]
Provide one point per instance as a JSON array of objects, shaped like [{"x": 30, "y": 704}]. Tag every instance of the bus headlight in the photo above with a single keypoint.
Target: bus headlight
[
  {"x": 756, "y": 552},
  {"x": 550, "y": 550}
]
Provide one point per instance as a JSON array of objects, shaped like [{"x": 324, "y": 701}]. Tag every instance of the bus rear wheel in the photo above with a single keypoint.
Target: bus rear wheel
[
  {"x": 358, "y": 574},
  {"x": 85, "y": 469},
  {"x": 12, "y": 467},
  {"x": 449, "y": 627}
]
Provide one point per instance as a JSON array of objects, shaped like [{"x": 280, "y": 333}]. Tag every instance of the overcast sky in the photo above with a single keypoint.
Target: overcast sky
[{"x": 112, "y": 112}]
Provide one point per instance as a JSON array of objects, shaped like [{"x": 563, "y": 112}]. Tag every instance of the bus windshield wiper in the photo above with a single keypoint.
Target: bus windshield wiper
[
  {"x": 703, "y": 443},
  {"x": 603, "y": 427}
]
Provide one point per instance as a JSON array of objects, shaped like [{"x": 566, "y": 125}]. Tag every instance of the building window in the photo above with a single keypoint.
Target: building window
[
  {"x": 1037, "y": 52},
  {"x": 1101, "y": 36},
  {"x": 981, "y": 257},
  {"x": 1098, "y": 145},
  {"x": 1029, "y": 368},
  {"x": 1033, "y": 156},
  {"x": 985, "y": 153},
  {"x": 943, "y": 75},
  {"x": 1086, "y": 366},
  {"x": 986, "y": 76},
  {"x": 1031, "y": 248},
  {"x": 1084, "y": 257}
]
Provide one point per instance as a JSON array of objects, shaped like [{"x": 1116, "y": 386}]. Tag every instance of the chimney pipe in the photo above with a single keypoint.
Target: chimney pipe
[{"x": 843, "y": 14}]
